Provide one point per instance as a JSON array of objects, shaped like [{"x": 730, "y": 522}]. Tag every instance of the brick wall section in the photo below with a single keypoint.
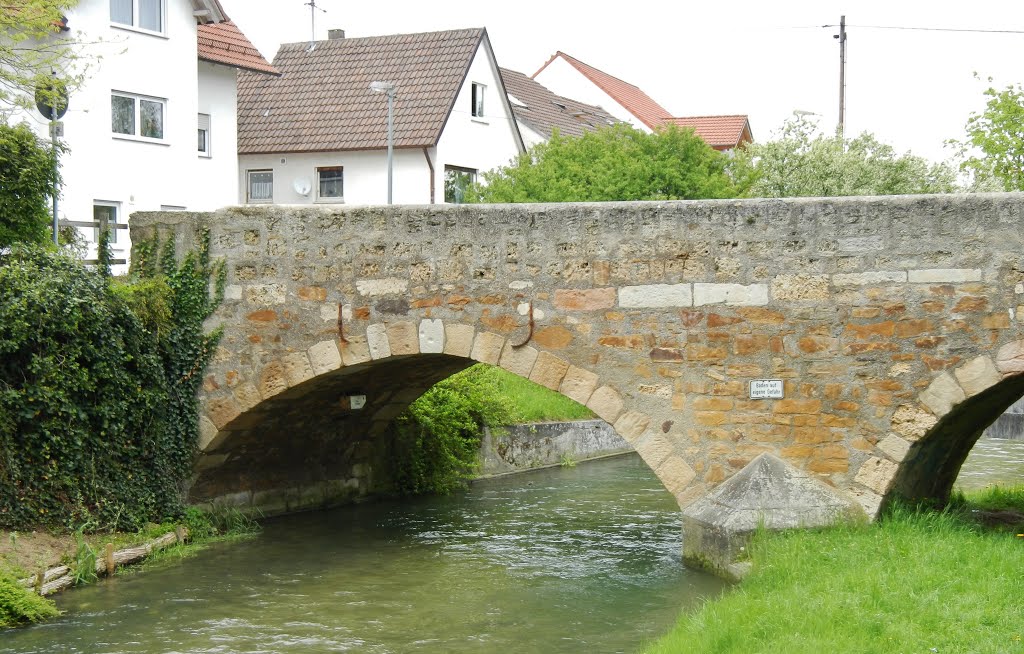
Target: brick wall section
[{"x": 885, "y": 317}]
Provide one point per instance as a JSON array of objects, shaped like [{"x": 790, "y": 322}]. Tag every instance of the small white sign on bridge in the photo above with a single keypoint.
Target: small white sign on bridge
[{"x": 766, "y": 389}]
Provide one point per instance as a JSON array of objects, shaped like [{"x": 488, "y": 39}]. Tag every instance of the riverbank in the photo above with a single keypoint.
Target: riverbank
[{"x": 917, "y": 581}]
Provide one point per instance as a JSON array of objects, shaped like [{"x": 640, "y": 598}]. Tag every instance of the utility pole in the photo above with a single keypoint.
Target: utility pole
[
  {"x": 312, "y": 22},
  {"x": 842, "y": 74}
]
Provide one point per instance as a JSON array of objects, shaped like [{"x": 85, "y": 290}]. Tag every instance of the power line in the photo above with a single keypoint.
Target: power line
[{"x": 931, "y": 29}]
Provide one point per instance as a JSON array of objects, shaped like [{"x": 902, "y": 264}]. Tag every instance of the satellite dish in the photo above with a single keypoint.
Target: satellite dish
[
  {"x": 52, "y": 98},
  {"x": 302, "y": 186}
]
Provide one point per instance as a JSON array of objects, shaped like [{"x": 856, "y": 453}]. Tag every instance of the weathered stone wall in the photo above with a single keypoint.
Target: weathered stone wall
[
  {"x": 1010, "y": 425},
  {"x": 526, "y": 447},
  {"x": 895, "y": 324}
]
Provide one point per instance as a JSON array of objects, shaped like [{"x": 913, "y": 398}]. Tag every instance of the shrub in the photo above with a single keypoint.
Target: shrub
[{"x": 20, "y": 605}]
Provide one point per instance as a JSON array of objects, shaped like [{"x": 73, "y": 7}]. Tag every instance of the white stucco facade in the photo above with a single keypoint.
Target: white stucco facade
[
  {"x": 467, "y": 142},
  {"x": 132, "y": 172},
  {"x": 563, "y": 78}
]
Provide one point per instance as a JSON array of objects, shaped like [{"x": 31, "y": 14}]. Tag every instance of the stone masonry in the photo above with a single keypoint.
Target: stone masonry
[{"x": 894, "y": 325}]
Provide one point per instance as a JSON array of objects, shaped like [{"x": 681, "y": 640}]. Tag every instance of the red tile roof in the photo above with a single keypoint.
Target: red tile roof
[
  {"x": 544, "y": 111},
  {"x": 635, "y": 101},
  {"x": 720, "y": 132},
  {"x": 323, "y": 103},
  {"x": 224, "y": 43}
]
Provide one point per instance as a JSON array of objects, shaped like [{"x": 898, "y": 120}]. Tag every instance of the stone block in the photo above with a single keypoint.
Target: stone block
[
  {"x": 458, "y": 339},
  {"x": 554, "y": 337},
  {"x": 942, "y": 395},
  {"x": 354, "y": 350},
  {"x": 263, "y": 295},
  {"x": 590, "y": 299},
  {"x": 606, "y": 403},
  {"x": 873, "y": 278},
  {"x": 518, "y": 360},
  {"x": 232, "y": 292},
  {"x": 247, "y": 396},
  {"x": 431, "y": 334},
  {"x": 767, "y": 493},
  {"x": 487, "y": 348},
  {"x": 297, "y": 368},
  {"x": 912, "y": 423},
  {"x": 207, "y": 432},
  {"x": 675, "y": 474},
  {"x": 944, "y": 276},
  {"x": 655, "y": 296},
  {"x": 800, "y": 287},
  {"x": 222, "y": 410},
  {"x": 877, "y": 474},
  {"x": 738, "y": 295},
  {"x": 378, "y": 287},
  {"x": 894, "y": 447},
  {"x": 578, "y": 384},
  {"x": 324, "y": 357},
  {"x": 403, "y": 338},
  {"x": 861, "y": 244},
  {"x": 377, "y": 341},
  {"x": 654, "y": 449},
  {"x": 549, "y": 370},
  {"x": 273, "y": 380},
  {"x": 632, "y": 425},
  {"x": 1010, "y": 358},
  {"x": 977, "y": 375}
]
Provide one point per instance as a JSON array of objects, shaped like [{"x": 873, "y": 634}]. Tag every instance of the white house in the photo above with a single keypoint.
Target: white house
[
  {"x": 319, "y": 133},
  {"x": 154, "y": 125}
]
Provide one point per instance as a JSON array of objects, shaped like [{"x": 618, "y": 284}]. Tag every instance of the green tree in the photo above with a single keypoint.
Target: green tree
[
  {"x": 998, "y": 133},
  {"x": 805, "y": 162},
  {"x": 33, "y": 48},
  {"x": 28, "y": 176},
  {"x": 611, "y": 163}
]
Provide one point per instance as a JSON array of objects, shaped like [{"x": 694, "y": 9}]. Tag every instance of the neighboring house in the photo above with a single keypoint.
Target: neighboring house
[
  {"x": 571, "y": 77},
  {"x": 539, "y": 112},
  {"x": 153, "y": 126},
  {"x": 319, "y": 133}
]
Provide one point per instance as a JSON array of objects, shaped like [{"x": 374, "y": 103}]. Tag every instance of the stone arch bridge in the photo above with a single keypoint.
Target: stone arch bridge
[{"x": 893, "y": 326}]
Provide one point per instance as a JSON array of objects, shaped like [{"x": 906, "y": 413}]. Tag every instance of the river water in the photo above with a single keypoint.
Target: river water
[
  {"x": 560, "y": 560},
  {"x": 993, "y": 461}
]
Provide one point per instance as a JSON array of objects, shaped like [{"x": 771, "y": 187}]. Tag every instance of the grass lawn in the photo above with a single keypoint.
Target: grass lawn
[
  {"x": 917, "y": 581},
  {"x": 535, "y": 403}
]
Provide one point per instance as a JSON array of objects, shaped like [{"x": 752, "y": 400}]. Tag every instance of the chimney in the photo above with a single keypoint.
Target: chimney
[{"x": 335, "y": 35}]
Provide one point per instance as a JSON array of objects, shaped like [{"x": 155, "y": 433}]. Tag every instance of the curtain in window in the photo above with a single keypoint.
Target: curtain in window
[
  {"x": 121, "y": 12},
  {"x": 261, "y": 186},
  {"x": 152, "y": 118},
  {"x": 151, "y": 15},
  {"x": 122, "y": 114}
]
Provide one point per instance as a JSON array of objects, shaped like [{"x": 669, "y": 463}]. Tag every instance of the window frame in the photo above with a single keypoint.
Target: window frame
[
  {"x": 136, "y": 14},
  {"x": 319, "y": 184},
  {"x": 109, "y": 204},
  {"x": 137, "y": 123},
  {"x": 477, "y": 100},
  {"x": 472, "y": 174},
  {"x": 248, "y": 186},
  {"x": 203, "y": 127}
]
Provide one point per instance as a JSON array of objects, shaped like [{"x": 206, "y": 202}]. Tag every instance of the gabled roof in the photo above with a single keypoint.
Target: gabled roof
[
  {"x": 322, "y": 101},
  {"x": 634, "y": 100},
  {"x": 720, "y": 132},
  {"x": 224, "y": 43},
  {"x": 544, "y": 111}
]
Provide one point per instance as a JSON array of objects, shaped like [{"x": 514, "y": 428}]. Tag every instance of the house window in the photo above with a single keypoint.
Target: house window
[
  {"x": 330, "y": 183},
  {"x": 478, "y": 100},
  {"x": 204, "y": 135},
  {"x": 105, "y": 212},
  {"x": 144, "y": 14},
  {"x": 136, "y": 115},
  {"x": 456, "y": 181},
  {"x": 260, "y": 185}
]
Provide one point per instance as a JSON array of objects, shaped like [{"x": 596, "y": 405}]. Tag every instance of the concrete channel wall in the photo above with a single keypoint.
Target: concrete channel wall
[
  {"x": 518, "y": 448},
  {"x": 1009, "y": 425}
]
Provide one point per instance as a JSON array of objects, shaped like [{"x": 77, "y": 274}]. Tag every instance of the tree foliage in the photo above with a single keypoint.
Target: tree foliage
[
  {"x": 998, "y": 133},
  {"x": 32, "y": 48},
  {"x": 611, "y": 163},
  {"x": 802, "y": 161},
  {"x": 27, "y": 178}
]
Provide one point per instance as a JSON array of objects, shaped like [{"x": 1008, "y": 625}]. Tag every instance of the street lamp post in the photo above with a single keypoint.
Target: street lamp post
[{"x": 389, "y": 88}]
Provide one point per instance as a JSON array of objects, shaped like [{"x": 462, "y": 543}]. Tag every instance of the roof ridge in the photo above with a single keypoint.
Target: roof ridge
[{"x": 349, "y": 39}]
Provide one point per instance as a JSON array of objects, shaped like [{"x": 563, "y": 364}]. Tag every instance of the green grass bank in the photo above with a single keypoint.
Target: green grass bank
[{"x": 916, "y": 581}]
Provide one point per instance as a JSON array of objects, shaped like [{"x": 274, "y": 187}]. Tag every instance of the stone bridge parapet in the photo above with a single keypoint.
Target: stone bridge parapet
[{"x": 893, "y": 326}]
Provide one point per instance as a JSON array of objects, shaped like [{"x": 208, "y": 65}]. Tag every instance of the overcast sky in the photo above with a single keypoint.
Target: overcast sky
[{"x": 914, "y": 89}]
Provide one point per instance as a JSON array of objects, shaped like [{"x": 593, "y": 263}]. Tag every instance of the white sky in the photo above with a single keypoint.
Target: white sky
[{"x": 913, "y": 89}]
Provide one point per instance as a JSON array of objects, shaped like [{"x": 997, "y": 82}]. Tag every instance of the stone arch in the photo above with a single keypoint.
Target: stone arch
[
  {"x": 930, "y": 439},
  {"x": 393, "y": 364}
]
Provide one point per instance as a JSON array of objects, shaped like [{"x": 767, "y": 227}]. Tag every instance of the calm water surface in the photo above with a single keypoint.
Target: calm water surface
[
  {"x": 993, "y": 461},
  {"x": 583, "y": 559}
]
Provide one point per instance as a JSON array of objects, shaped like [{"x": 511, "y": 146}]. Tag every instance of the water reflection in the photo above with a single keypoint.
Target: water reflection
[
  {"x": 565, "y": 560},
  {"x": 993, "y": 461}
]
